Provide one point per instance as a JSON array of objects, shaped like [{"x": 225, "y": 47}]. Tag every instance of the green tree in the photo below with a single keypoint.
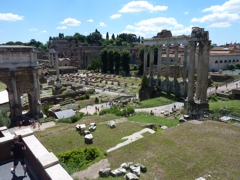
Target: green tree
[
  {"x": 125, "y": 59},
  {"x": 118, "y": 41},
  {"x": 110, "y": 60},
  {"x": 95, "y": 64},
  {"x": 107, "y": 36},
  {"x": 117, "y": 60},
  {"x": 104, "y": 59},
  {"x": 113, "y": 37}
]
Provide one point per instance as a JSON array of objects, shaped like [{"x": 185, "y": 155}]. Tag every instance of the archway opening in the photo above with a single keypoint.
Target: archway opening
[{"x": 4, "y": 106}]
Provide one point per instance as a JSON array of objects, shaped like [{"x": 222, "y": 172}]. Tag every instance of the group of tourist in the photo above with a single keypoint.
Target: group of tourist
[{"x": 34, "y": 123}]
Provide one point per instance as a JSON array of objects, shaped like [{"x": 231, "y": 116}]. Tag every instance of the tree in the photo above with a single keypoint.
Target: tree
[
  {"x": 118, "y": 41},
  {"x": 110, "y": 60},
  {"x": 104, "y": 59},
  {"x": 61, "y": 36},
  {"x": 107, "y": 36},
  {"x": 117, "y": 60},
  {"x": 125, "y": 59},
  {"x": 10, "y": 43},
  {"x": 113, "y": 37},
  {"x": 95, "y": 64},
  {"x": 141, "y": 57}
]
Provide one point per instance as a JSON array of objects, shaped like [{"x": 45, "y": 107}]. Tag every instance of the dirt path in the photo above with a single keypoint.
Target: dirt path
[{"x": 92, "y": 171}]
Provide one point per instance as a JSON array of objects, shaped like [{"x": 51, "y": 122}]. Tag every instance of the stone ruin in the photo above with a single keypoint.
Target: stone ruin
[{"x": 196, "y": 102}]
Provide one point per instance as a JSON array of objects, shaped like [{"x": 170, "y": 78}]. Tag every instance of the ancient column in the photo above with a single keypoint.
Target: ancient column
[
  {"x": 176, "y": 62},
  {"x": 159, "y": 62},
  {"x": 199, "y": 70},
  {"x": 191, "y": 70},
  {"x": 167, "y": 61},
  {"x": 145, "y": 61},
  {"x": 151, "y": 66},
  {"x": 203, "y": 93},
  {"x": 185, "y": 63},
  {"x": 14, "y": 87},
  {"x": 58, "y": 82}
]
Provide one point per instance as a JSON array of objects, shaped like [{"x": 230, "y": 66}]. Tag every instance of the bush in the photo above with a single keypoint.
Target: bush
[
  {"x": 45, "y": 109},
  {"x": 96, "y": 100},
  {"x": 114, "y": 110},
  {"x": 213, "y": 98},
  {"x": 4, "y": 119},
  {"x": 82, "y": 97},
  {"x": 72, "y": 119},
  {"x": 74, "y": 160},
  {"x": 87, "y": 96},
  {"x": 91, "y": 91}
]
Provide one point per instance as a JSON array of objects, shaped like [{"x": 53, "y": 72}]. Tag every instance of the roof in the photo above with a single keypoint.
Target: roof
[
  {"x": 65, "y": 113},
  {"x": 62, "y": 59},
  {"x": 219, "y": 48},
  {"x": 220, "y": 52}
]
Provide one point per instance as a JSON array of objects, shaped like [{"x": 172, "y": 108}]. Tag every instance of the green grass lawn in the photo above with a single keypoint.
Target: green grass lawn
[
  {"x": 158, "y": 101},
  {"x": 2, "y": 86},
  {"x": 147, "y": 118}
]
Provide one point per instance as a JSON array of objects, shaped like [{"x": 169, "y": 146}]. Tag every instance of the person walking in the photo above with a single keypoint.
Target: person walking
[{"x": 18, "y": 156}]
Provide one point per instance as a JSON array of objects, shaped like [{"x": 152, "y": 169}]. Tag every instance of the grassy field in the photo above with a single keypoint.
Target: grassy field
[
  {"x": 2, "y": 86},
  {"x": 185, "y": 151}
]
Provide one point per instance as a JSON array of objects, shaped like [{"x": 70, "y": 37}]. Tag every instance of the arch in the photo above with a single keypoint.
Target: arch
[
  {"x": 229, "y": 61},
  {"x": 237, "y": 60},
  {"x": 20, "y": 78},
  {"x": 221, "y": 61},
  {"x": 216, "y": 61},
  {"x": 234, "y": 60},
  {"x": 225, "y": 61}
]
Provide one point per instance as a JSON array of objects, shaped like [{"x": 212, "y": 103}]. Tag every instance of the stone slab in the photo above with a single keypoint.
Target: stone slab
[
  {"x": 24, "y": 132},
  {"x": 57, "y": 172},
  {"x": 35, "y": 146},
  {"x": 6, "y": 139},
  {"x": 48, "y": 160},
  {"x": 3, "y": 128}
]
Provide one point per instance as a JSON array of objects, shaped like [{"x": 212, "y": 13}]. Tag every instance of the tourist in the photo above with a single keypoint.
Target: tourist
[
  {"x": 18, "y": 156},
  {"x": 20, "y": 124}
]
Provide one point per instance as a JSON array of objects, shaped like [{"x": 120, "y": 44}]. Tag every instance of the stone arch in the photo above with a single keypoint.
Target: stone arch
[{"x": 19, "y": 71}]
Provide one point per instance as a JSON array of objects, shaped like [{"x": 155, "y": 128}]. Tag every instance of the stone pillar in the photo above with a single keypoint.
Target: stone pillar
[
  {"x": 191, "y": 71},
  {"x": 185, "y": 63},
  {"x": 58, "y": 82},
  {"x": 203, "y": 94},
  {"x": 199, "y": 70},
  {"x": 159, "y": 62},
  {"x": 14, "y": 87},
  {"x": 86, "y": 79},
  {"x": 151, "y": 66},
  {"x": 145, "y": 61},
  {"x": 176, "y": 62},
  {"x": 167, "y": 61}
]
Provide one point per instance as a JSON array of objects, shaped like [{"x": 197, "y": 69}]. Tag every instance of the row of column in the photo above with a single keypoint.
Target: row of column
[
  {"x": 159, "y": 62},
  {"x": 202, "y": 72}
]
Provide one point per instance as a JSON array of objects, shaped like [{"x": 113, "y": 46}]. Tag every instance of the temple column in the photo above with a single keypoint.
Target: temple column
[
  {"x": 185, "y": 63},
  {"x": 199, "y": 70},
  {"x": 167, "y": 61},
  {"x": 205, "y": 70},
  {"x": 176, "y": 62},
  {"x": 159, "y": 62},
  {"x": 151, "y": 66},
  {"x": 191, "y": 70},
  {"x": 145, "y": 61},
  {"x": 58, "y": 82}
]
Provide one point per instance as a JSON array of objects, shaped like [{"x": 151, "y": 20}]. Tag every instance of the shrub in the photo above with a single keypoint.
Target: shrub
[
  {"x": 96, "y": 100},
  {"x": 74, "y": 160},
  {"x": 91, "y": 91},
  {"x": 72, "y": 119},
  {"x": 45, "y": 109},
  {"x": 82, "y": 97},
  {"x": 4, "y": 119},
  {"x": 87, "y": 96},
  {"x": 213, "y": 98}
]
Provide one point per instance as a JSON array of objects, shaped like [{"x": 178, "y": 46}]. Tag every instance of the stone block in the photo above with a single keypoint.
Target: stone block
[{"x": 48, "y": 160}]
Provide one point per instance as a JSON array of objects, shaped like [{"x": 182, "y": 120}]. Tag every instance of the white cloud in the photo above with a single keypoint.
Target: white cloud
[
  {"x": 138, "y": 6},
  {"x": 33, "y": 29},
  {"x": 221, "y": 15},
  {"x": 150, "y": 27},
  {"x": 115, "y": 16},
  {"x": 232, "y": 6},
  {"x": 71, "y": 22},
  {"x": 186, "y": 13},
  {"x": 62, "y": 27},
  {"x": 90, "y": 20},
  {"x": 217, "y": 18},
  {"x": 44, "y": 31},
  {"x": 10, "y": 17},
  {"x": 102, "y": 24}
]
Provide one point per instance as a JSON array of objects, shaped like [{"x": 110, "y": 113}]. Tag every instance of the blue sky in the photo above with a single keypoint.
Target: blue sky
[{"x": 25, "y": 20}]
